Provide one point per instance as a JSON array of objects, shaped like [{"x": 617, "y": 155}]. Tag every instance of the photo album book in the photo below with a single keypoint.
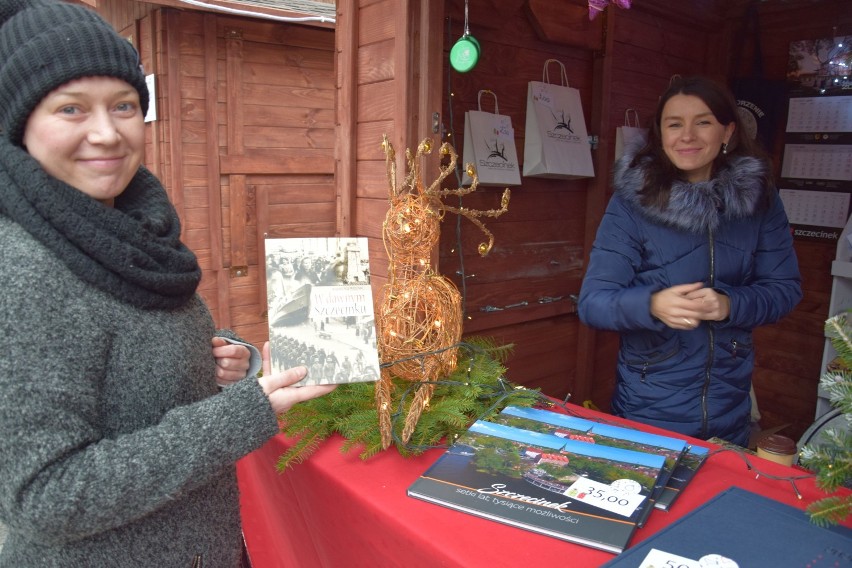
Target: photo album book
[
  {"x": 320, "y": 309},
  {"x": 577, "y": 491},
  {"x": 581, "y": 429},
  {"x": 578, "y": 480}
]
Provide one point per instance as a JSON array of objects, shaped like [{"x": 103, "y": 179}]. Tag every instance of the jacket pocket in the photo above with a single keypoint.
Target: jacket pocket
[
  {"x": 736, "y": 348},
  {"x": 645, "y": 364}
]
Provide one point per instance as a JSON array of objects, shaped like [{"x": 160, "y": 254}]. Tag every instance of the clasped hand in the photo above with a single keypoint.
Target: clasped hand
[{"x": 685, "y": 306}]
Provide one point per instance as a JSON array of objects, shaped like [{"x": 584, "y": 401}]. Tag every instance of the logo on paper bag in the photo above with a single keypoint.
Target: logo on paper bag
[
  {"x": 562, "y": 128},
  {"x": 497, "y": 151}
]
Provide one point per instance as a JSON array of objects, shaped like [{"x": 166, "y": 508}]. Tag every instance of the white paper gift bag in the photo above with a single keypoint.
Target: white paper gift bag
[
  {"x": 630, "y": 135},
  {"x": 556, "y": 143},
  {"x": 489, "y": 144}
]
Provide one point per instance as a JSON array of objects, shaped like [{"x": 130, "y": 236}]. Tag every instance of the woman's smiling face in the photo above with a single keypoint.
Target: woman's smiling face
[
  {"x": 89, "y": 133},
  {"x": 691, "y": 136}
]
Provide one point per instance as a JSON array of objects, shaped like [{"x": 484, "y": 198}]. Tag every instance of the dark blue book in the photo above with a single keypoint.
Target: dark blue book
[{"x": 750, "y": 529}]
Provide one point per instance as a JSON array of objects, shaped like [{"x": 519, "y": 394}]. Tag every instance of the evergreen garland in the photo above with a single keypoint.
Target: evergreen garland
[
  {"x": 831, "y": 458},
  {"x": 476, "y": 389}
]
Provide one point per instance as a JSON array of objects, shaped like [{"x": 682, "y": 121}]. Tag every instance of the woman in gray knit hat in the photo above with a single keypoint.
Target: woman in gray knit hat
[{"x": 116, "y": 447}]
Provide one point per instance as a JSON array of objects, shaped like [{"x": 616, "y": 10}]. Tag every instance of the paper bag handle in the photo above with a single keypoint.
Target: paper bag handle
[
  {"x": 545, "y": 75},
  {"x": 627, "y": 114},
  {"x": 487, "y": 92}
]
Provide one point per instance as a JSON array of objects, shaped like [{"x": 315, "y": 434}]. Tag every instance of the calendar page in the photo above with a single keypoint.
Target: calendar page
[
  {"x": 817, "y": 161},
  {"x": 820, "y": 114},
  {"x": 817, "y": 208}
]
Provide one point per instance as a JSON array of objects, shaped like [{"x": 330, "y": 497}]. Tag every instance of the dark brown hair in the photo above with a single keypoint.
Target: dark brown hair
[{"x": 660, "y": 172}]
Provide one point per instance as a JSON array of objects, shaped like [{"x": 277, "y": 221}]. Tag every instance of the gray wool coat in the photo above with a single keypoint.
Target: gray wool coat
[{"x": 116, "y": 449}]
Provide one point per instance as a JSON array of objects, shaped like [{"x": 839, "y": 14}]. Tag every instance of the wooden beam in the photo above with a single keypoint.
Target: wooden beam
[
  {"x": 566, "y": 23},
  {"x": 597, "y": 199},
  {"x": 346, "y": 45},
  {"x": 234, "y": 104},
  {"x": 214, "y": 188},
  {"x": 173, "y": 102}
]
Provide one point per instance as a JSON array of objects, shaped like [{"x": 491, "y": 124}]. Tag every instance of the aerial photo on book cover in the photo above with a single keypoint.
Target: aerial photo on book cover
[
  {"x": 584, "y": 493},
  {"x": 320, "y": 307},
  {"x": 583, "y": 430}
]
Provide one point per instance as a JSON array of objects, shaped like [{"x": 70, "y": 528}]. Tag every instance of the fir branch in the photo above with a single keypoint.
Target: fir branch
[
  {"x": 830, "y": 510},
  {"x": 831, "y": 456},
  {"x": 475, "y": 389}
]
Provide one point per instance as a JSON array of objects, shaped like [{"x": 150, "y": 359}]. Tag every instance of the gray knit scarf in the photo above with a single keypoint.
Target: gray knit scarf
[
  {"x": 735, "y": 192},
  {"x": 132, "y": 251}
]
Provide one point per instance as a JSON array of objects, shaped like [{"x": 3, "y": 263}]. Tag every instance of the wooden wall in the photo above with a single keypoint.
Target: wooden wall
[
  {"x": 543, "y": 241},
  {"x": 244, "y": 140},
  {"x": 789, "y": 353},
  {"x": 537, "y": 259}
]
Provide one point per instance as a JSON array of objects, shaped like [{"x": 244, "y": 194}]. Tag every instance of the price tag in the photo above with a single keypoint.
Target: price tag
[
  {"x": 614, "y": 498},
  {"x": 660, "y": 559},
  {"x": 541, "y": 95}
]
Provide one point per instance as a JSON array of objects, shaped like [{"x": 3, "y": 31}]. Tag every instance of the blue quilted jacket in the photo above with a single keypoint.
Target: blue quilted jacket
[{"x": 693, "y": 382}]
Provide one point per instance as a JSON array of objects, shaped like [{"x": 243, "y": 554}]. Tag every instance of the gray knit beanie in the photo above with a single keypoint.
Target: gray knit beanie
[{"x": 45, "y": 44}]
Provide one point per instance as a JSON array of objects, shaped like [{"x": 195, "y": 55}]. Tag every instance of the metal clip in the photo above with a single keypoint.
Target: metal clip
[
  {"x": 518, "y": 305},
  {"x": 490, "y": 309},
  {"x": 549, "y": 299}
]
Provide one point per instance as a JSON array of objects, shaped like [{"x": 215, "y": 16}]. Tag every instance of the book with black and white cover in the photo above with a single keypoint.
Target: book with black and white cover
[
  {"x": 579, "y": 492},
  {"x": 320, "y": 309},
  {"x": 583, "y": 430},
  {"x": 683, "y": 473}
]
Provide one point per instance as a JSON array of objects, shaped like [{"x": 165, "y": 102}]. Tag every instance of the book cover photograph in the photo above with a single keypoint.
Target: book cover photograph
[
  {"x": 320, "y": 309},
  {"x": 583, "y": 430},
  {"x": 583, "y": 493}
]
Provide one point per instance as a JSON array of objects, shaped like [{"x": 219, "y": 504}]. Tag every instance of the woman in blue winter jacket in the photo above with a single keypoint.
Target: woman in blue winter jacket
[{"x": 693, "y": 253}]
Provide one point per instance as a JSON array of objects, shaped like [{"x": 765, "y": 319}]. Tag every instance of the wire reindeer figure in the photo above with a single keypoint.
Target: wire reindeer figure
[{"x": 420, "y": 321}]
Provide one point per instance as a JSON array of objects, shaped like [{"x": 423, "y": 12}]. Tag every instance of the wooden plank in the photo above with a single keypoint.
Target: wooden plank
[
  {"x": 373, "y": 23},
  {"x": 238, "y": 198},
  {"x": 269, "y": 163},
  {"x": 376, "y": 62},
  {"x": 284, "y": 139},
  {"x": 262, "y": 215},
  {"x": 375, "y": 101},
  {"x": 372, "y": 181}
]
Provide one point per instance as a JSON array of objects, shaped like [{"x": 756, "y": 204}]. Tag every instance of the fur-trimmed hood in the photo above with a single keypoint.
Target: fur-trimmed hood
[{"x": 736, "y": 192}]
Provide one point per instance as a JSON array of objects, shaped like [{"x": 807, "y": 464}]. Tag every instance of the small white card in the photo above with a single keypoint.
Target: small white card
[{"x": 604, "y": 496}]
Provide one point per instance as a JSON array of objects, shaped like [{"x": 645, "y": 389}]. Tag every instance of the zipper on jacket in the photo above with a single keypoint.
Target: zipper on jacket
[
  {"x": 711, "y": 335},
  {"x": 652, "y": 361}
]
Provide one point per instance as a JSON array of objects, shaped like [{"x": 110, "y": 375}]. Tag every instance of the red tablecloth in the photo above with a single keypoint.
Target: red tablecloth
[{"x": 335, "y": 510}]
